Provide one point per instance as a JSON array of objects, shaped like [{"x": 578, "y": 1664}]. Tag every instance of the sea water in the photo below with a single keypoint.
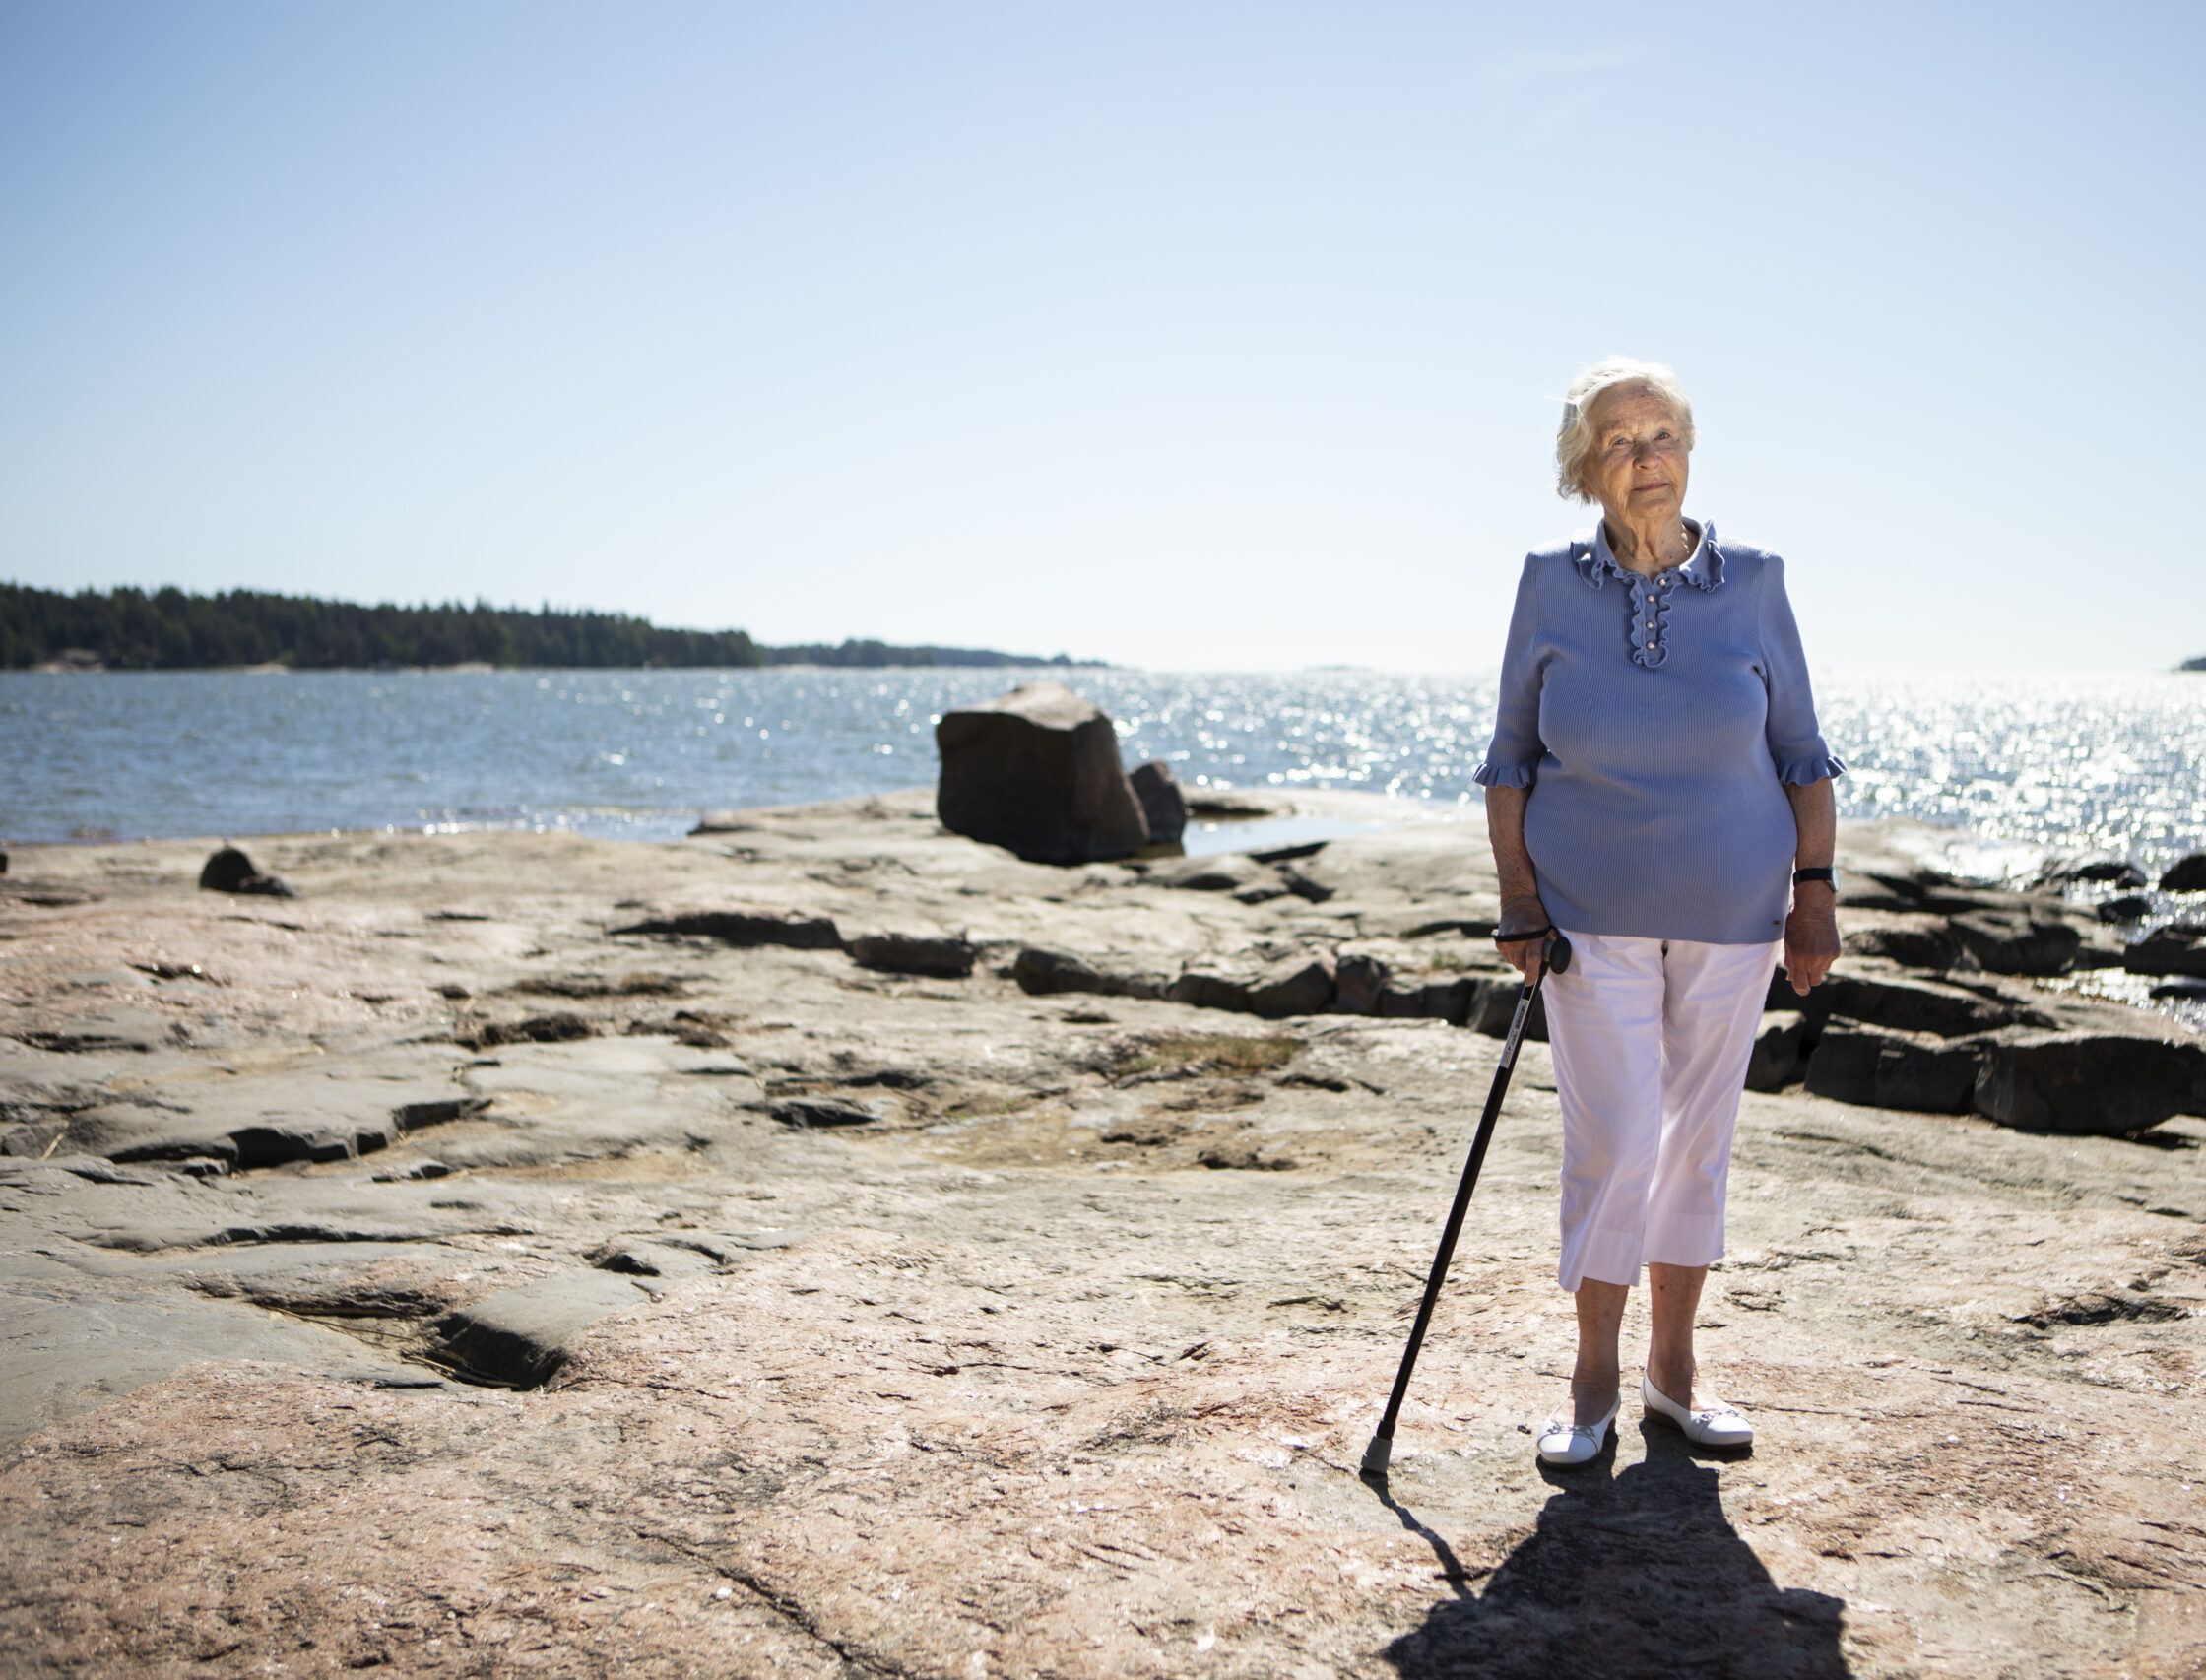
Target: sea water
[{"x": 2015, "y": 766}]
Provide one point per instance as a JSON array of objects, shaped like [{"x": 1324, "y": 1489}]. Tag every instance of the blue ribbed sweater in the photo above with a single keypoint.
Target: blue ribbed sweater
[{"x": 1655, "y": 721}]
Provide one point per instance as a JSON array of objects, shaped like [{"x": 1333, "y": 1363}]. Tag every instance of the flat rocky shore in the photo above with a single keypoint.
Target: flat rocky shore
[{"x": 831, "y": 1247}]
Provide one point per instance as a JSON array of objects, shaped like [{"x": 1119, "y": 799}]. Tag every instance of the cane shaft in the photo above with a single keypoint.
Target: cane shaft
[{"x": 1456, "y": 1214}]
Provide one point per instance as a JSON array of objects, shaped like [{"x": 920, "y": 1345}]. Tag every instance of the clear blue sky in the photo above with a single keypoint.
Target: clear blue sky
[{"x": 1189, "y": 334}]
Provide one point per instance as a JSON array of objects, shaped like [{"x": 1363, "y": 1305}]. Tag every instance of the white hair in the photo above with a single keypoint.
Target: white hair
[{"x": 1573, "y": 438}]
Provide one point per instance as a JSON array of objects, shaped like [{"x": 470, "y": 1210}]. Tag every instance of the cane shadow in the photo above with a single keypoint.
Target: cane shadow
[{"x": 1631, "y": 1575}]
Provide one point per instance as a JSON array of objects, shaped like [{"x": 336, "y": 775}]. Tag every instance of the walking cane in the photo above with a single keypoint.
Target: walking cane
[{"x": 1555, "y": 957}]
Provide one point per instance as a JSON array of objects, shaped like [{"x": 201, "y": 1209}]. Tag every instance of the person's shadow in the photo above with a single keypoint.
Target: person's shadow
[{"x": 1631, "y": 1575}]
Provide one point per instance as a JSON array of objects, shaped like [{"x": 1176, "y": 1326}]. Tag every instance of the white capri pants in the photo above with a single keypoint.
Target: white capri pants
[{"x": 1650, "y": 1038}]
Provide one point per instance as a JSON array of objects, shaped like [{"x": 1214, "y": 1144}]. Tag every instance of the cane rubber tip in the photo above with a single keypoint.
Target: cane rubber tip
[{"x": 1376, "y": 1456}]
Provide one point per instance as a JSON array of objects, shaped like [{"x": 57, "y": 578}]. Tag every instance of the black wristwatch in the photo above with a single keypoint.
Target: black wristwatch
[{"x": 1828, "y": 875}]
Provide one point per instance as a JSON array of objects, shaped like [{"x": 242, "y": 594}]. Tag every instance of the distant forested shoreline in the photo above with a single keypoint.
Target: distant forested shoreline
[{"x": 171, "y": 629}]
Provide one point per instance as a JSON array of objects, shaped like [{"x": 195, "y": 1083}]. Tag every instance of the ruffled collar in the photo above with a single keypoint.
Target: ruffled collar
[
  {"x": 1596, "y": 563},
  {"x": 1647, "y": 598}
]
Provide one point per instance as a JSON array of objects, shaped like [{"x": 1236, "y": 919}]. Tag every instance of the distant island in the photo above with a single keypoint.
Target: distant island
[
  {"x": 2198, "y": 664},
  {"x": 169, "y": 629}
]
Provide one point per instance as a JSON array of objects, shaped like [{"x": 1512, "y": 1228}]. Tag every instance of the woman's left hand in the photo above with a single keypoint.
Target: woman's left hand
[{"x": 1811, "y": 936}]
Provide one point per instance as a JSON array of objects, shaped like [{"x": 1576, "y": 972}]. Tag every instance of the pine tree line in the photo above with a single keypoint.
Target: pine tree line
[{"x": 171, "y": 630}]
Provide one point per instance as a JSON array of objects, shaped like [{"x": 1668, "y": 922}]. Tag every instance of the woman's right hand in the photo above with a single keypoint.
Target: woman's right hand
[{"x": 1522, "y": 911}]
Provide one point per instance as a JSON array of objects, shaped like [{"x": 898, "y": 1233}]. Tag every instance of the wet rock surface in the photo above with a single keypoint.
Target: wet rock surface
[{"x": 804, "y": 1317}]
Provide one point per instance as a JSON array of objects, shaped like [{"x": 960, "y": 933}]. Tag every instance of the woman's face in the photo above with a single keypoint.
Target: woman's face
[{"x": 1637, "y": 465}]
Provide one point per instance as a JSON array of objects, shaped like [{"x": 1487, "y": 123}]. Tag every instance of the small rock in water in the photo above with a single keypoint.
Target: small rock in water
[
  {"x": 1162, "y": 803},
  {"x": 230, "y": 871},
  {"x": 2130, "y": 907},
  {"x": 2104, "y": 872},
  {"x": 2189, "y": 876}
]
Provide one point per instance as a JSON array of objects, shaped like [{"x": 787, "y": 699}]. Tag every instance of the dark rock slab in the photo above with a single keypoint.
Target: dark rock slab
[
  {"x": 2032, "y": 941},
  {"x": 1457, "y": 1000},
  {"x": 1908, "y": 1002},
  {"x": 643, "y": 1258},
  {"x": 521, "y": 1336},
  {"x": 265, "y": 1123},
  {"x": 70, "y": 1350},
  {"x": 790, "y": 929},
  {"x": 1775, "y": 1061},
  {"x": 940, "y": 955},
  {"x": 1298, "y": 985},
  {"x": 1925, "y": 891},
  {"x": 1037, "y": 771},
  {"x": 1925, "y": 945},
  {"x": 2177, "y": 949},
  {"x": 2090, "y": 1084},
  {"x": 1041, "y": 972},
  {"x": 1243, "y": 1157},
  {"x": 2129, "y": 907},
  {"x": 1163, "y": 806},
  {"x": 822, "y": 1113},
  {"x": 1231, "y": 872},
  {"x": 1218, "y": 805},
  {"x": 230, "y": 871},
  {"x": 2101, "y": 872},
  {"x": 1359, "y": 984},
  {"x": 2187, "y": 876},
  {"x": 136, "y": 1032},
  {"x": 561, "y": 1028},
  {"x": 1884, "y": 1068}
]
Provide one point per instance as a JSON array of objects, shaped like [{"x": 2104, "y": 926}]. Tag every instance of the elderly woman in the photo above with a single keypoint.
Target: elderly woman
[{"x": 1656, "y": 789}]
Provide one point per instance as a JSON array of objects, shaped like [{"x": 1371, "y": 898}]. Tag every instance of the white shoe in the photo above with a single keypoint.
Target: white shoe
[
  {"x": 1705, "y": 1425},
  {"x": 1564, "y": 1443}
]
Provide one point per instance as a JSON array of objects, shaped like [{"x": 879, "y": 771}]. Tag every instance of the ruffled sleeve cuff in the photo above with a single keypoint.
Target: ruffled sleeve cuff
[
  {"x": 1492, "y": 775},
  {"x": 1801, "y": 772}
]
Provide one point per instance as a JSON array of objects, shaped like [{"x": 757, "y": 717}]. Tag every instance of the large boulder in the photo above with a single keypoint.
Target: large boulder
[
  {"x": 2098, "y": 1084},
  {"x": 1037, "y": 771},
  {"x": 1163, "y": 806}
]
